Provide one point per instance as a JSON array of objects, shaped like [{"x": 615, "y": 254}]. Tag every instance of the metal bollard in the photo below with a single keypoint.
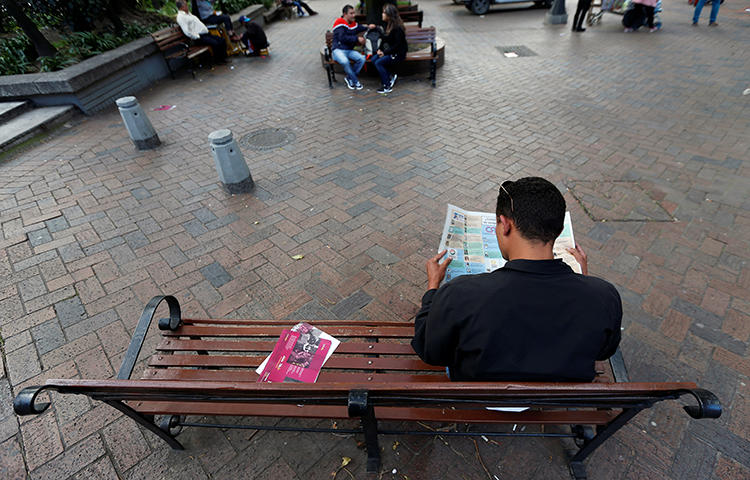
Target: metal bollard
[
  {"x": 139, "y": 127},
  {"x": 230, "y": 164}
]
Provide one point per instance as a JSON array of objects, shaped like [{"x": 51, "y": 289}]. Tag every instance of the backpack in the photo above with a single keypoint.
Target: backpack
[{"x": 372, "y": 41}]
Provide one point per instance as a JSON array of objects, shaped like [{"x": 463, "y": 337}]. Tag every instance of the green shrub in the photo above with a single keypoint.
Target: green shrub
[
  {"x": 58, "y": 62},
  {"x": 13, "y": 55},
  {"x": 88, "y": 44},
  {"x": 233, "y": 6}
]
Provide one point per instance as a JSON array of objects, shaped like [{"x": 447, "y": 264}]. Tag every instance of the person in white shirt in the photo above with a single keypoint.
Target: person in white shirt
[{"x": 194, "y": 29}]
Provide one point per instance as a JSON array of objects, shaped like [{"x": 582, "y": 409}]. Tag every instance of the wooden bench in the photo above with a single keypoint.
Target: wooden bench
[
  {"x": 207, "y": 367},
  {"x": 412, "y": 16},
  {"x": 175, "y": 45},
  {"x": 414, "y": 35},
  {"x": 408, "y": 13}
]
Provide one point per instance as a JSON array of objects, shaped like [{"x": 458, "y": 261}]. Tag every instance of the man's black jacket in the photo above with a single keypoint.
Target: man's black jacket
[{"x": 533, "y": 320}]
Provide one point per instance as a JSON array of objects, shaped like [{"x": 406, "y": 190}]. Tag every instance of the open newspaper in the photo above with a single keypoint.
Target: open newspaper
[
  {"x": 472, "y": 245},
  {"x": 298, "y": 356}
]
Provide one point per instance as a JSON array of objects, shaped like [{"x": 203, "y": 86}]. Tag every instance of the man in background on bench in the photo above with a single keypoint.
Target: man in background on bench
[
  {"x": 208, "y": 15},
  {"x": 534, "y": 319},
  {"x": 345, "y": 36},
  {"x": 194, "y": 29}
]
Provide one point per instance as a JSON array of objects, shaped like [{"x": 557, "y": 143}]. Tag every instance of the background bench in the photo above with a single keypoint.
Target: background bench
[
  {"x": 408, "y": 13},
  {"x": 207, "y": 367},
  {"x": 414, "y": 35},
  {"x": 174, "y": 45}
]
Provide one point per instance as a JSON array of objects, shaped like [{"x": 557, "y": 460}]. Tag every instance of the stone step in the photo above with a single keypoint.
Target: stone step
[
  {"x": 10, "y": 110},
  {"x": 29, "y": 123}
]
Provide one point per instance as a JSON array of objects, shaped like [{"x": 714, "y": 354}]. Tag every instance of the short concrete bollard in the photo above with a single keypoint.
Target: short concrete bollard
[
  {"x": 230, "y": 164},
  {"x": 139, "y": 127}
]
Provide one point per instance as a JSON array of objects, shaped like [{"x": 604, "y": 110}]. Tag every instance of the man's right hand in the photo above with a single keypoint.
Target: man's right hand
[
  {"x": 436, "y": 270},
  {"x": 361, "y": 40},
  {"x": 581, "y": 258}
]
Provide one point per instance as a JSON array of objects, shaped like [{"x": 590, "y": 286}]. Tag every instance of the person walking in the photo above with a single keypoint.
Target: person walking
[
  {"x": 392, "y": 49},
  {"x": 715, "y": 4},
  {"x": 583, "y": 7}
]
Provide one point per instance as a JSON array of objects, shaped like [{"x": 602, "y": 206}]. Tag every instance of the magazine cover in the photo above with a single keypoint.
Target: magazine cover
[{"x": 298, "y": 356}]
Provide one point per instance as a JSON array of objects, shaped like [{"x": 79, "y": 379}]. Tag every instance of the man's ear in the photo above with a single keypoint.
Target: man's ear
[{"x": 504, "y": 225}]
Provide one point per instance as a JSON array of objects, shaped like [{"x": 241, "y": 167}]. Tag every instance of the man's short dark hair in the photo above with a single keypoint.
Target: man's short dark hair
[
  {"x": 346, "y": 9},
  {"x": 180, "y": 4},
  {"x": 536, "y": 206}
]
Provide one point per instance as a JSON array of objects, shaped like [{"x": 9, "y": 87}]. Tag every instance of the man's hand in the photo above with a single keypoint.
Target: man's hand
[
  {"x": 436, "y": 270},
  {"x": 380, "y": 53},
  {"x": 361, "y": 40},
  {"x": 581, "y": 257},
  {"x": 372, "y": 26}
]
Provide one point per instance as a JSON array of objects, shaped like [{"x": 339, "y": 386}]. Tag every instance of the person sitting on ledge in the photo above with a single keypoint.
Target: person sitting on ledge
[
  {"x": 194, "y": 29},
  {"x": 534, "y": 319}
]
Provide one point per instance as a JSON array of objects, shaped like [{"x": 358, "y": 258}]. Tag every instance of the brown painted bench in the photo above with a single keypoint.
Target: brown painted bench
[
  {"x": 410, "y": 14},
  {"x": 414, "y": 35},
  {"x": 207, "y": 367},
  {"x": 175, "y": 45}
]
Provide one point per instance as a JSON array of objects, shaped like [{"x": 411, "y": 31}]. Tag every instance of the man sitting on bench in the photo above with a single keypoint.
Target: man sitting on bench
[
  {"x": 534, "y": 319},
  {"x": 194, "y": 29},
  {"x": 208, "y": 15}
]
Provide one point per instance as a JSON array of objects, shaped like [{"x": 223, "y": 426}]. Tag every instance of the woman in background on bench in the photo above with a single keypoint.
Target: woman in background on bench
[{"x": 392, "y": 48}]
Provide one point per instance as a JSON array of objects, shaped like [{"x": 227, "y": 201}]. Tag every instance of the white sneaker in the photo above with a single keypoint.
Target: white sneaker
[
  {"x": 358, "y": 86},
  {"x": 349, "y": 83}
]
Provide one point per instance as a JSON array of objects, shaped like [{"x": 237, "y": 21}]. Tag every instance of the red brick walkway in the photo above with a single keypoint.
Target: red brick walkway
[{"x": 648, "y": 131}]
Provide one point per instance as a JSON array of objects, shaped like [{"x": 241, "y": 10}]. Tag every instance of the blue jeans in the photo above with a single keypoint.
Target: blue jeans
[
  {"x": 343, "y": 57},
  {"x": 714, "y": 10},
  {"x": 381, "y": 64}
]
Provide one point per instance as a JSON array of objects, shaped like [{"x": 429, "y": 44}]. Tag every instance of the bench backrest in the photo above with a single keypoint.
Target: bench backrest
[
  {"x": 413, "y": 33},
  {"x": 206, "y": 367},
  {"x": 407, "y": 16},
  {"x": 169, "y": 37}
]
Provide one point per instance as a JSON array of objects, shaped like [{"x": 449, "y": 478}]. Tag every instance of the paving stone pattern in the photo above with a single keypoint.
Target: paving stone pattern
[{"x": 92, "y": 228}]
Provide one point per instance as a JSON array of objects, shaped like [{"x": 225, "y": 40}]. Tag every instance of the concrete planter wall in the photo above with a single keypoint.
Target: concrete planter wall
[{"x": 96, "y": 82}]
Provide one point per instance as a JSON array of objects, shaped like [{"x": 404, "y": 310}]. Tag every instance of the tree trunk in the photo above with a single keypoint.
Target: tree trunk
[
  {"x": 43, "y": 47},
  {"x": 374, "y": 11},
  {"x": 113, "y": 14}
]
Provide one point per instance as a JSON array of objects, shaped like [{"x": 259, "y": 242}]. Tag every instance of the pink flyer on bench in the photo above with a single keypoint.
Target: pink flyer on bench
[{"x": 298, "y": 356}]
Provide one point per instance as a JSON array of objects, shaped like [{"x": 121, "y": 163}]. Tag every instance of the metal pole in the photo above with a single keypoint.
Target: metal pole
[{"x": 557, "y": 14}]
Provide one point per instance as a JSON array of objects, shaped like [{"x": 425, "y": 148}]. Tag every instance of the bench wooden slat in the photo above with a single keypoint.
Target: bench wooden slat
[
  {"x": 583, "y": 417},
  {"x": 287, "y": 323},
  {"x": 249, "y": 376},
  {"x": 177, "y": 344},
  {"x": 335, "y": 362},
  {"x": 266, "y": 331}
]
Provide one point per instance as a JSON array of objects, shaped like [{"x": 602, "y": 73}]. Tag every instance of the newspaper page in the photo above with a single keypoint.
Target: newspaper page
[
  {"x": 469, "y": 238},
  {"x": 298, "y": 356}
]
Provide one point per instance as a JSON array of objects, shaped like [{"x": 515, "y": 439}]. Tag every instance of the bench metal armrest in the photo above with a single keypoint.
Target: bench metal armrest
[
  {"x": 23, "y": 403},
  {"x": 708, "y": 404},
  {"x": 136, "y": 343}
]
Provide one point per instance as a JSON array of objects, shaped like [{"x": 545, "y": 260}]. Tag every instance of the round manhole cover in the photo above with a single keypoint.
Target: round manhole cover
[{"x": 267, "y": 138}]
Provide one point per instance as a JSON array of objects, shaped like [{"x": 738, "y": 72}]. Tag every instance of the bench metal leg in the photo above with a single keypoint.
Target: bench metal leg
[
  {"x": 329, "y": 69},
  {"x": 359, "y": 406},
  {"x": 148, "y": 424},
  {"x": 577, "y": 469},
  {"x": 370, "y": 427}
]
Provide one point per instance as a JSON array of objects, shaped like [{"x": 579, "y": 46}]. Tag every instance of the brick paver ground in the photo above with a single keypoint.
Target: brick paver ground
[{"x": 648, "y": 128}]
